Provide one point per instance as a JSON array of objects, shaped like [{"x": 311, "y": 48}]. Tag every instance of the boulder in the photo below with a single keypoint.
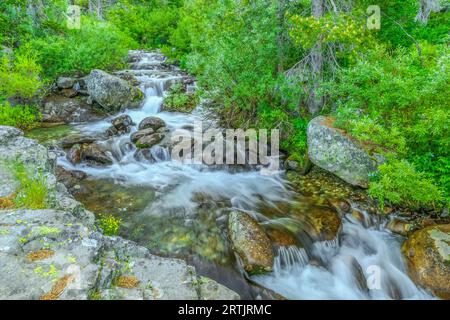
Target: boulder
[
  {"x": 149, "y": 141},
  {"x": 95, "y": 154},
  {"x": 76, "y": 138},
  {"x": 51, "y": 255},
  {"x": 250, "y": 242},
  {"x": 427, "y": 255},
  {"x": 332, "y": 150},
  {"x": 15, "y": 147},
  {"x": 211, "y": 290},
  {"x": 112, "y": 93},
  {"x": 60, "y": 109},
  {"x": 120, "y": 125},
  {"x": 141, "y": 133},
  {"x": 302, "y": 165},
  {"x": 65, "y": 82},
  {"x": 122, "y": 122},
  {"x": 152, "y": 122},
  {"x": 75, "y": 154}
]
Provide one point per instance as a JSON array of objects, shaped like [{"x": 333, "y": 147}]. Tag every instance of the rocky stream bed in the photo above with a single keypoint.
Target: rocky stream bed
[{"x": 193, "y": 231}]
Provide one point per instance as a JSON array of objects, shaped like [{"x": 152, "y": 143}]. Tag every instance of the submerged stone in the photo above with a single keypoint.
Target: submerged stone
[{"x": 250, "y": 242}]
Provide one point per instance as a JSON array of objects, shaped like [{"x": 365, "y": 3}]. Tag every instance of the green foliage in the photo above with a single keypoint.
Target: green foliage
[
  {"x": 149, "y": 24},
  {"x": 32, "y": 192},
  {"x": 347, "y": 32},
  {"x": 22, "y": 20},
  {"x": 398, "y": 21},
  {"x": 109, "y": 224},
  {"x": 178, "y": 100},
  {"x": 19, "y": 74},
  {"x": 97, "y": 44},
  {"x": 388, "y": 88},
  {"x": 398, "y": 103},
  {"x": 20, "y": 116},
  {"x": 399, "y": 183}
]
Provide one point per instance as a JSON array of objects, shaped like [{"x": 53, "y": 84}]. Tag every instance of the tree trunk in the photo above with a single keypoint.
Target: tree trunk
[
  {"x": 425, "y": 8},
  {"x": 315, "y": 102},
  {"x": 99, "y": 9},
  {"x": 90, "y": 6}
]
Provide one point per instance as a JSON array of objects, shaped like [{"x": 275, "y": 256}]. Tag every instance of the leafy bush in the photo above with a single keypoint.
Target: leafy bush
[
  {"x": 149, "y": 24},
  {"x": 179, "y": 101},
  {"x": 20, "y": 116},
  {"x": 19, "y": 74},
  {"x": 399, "y": 183},
  {"x": 109, "y": 224},
  {"x": 97, "y": 44},
  {"x": 398, "y": 103}
]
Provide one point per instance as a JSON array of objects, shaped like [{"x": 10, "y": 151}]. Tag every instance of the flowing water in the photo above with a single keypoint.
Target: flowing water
[{"x": 180, "y": 210}]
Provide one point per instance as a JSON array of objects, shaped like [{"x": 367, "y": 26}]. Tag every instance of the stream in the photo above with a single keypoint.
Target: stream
[{"x": 181, "y": 210}]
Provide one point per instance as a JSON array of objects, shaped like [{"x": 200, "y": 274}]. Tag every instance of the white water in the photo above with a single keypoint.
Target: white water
[
  {"x": 377, "y": 252},
  {"x": 183, "y": 181},
  {"x": 335, "y": 273}
]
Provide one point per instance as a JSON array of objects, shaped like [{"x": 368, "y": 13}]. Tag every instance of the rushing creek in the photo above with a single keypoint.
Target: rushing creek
[{"x": 180, "y": 210}]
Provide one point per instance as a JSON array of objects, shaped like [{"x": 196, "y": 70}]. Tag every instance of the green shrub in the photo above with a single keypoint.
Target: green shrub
[
  {"x": 32, "y": 192},
  {"x": 179, "y": 101},
  {"x": 109, "y": 224},
  {"x": 20, "y": 116},
  {"x": 97, "y": 44},
  {"x": 399, "y": 183},
  {"x": 150, "y": 24},
  {"x": 19, "y": 74},
  {"x": 398, "y": 103}
]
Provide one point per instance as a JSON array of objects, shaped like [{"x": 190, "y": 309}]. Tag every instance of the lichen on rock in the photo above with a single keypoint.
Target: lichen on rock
[{"x": 427, "y": 254}]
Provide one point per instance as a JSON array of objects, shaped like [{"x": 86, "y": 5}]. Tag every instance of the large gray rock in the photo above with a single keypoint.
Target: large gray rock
[
  {"x": 333, "y": 151},
  {"x": 58, "y": 109},
  {"x": 111, "y": 92},
  {"x": 49, "y": 254},
  {"x": 15, "y": 147}
]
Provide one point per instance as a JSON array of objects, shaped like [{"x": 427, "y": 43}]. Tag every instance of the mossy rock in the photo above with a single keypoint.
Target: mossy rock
[
  {"x": 427, "y": 255},
  {"x": 250, "y": 242},
  {"x": 299, "y": 163}
]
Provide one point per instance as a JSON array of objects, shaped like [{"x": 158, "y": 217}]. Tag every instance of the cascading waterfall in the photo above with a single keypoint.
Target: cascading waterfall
[
  {"x": 329, "y": 270},
  {"x": 366, "y": 264}
]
